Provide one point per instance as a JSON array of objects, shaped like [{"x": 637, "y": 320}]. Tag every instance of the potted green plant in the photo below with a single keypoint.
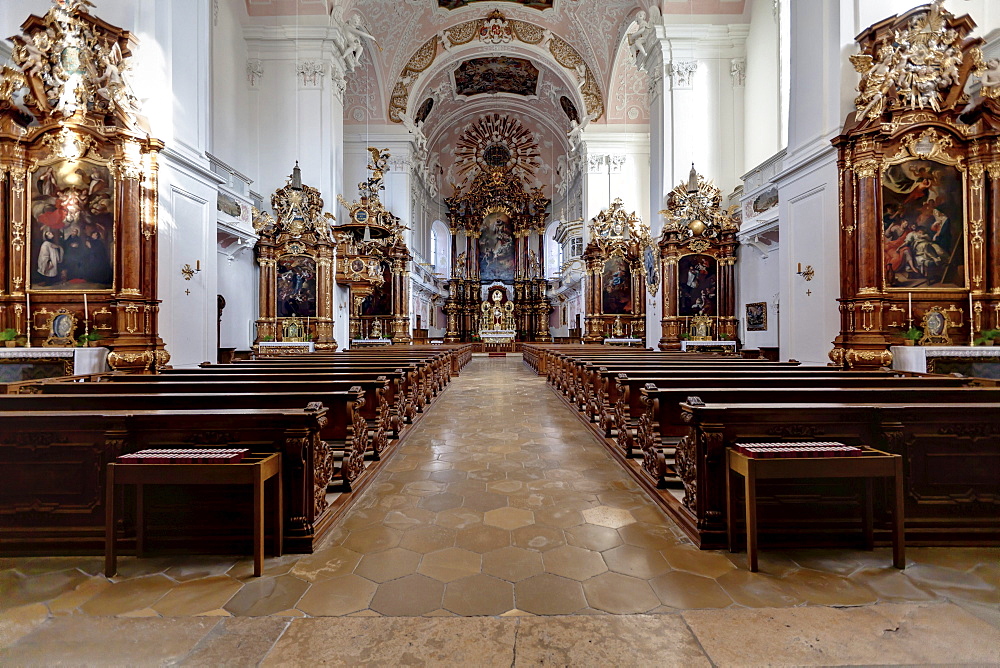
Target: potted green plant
[
  {"x": 87, "y": 340},
  {"x": 912, "y": 335},
  {"x": 723, "y": 337},
  {"x": 987, "y": 336},
  {"x": 9, "y": 337},
  {"x": 685, "y": 336},
  {"x": 267, "y": 338}
]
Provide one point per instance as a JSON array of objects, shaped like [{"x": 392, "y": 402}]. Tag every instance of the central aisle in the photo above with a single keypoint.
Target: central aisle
[{"x": 499, "y": 500}]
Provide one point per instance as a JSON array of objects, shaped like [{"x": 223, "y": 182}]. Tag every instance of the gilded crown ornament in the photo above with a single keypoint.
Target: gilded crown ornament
[{"x": 694, "y": 209}]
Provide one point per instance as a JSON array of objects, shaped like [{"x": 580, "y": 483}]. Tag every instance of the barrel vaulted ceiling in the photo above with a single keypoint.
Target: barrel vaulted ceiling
[{"x": 431, "y": 49}]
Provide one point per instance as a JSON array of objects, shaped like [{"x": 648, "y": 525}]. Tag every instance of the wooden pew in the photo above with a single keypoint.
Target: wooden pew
[
  {"x": 416, "y": 394},
  {"x": 393, "y": 399},
  {"x": 662, "y": 423},
  {"x": 54, "y": 464},
  {"x": 346, "y": 429},
  {"x": 621, "y": 405},
  {"x": 951, "y": 454}
]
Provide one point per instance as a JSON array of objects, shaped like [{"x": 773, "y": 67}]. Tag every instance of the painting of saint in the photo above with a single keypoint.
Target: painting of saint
[
  {"x": 296, "y": 286},
  {"x": 616, "y": 296},
  {"x": 496, "y": 74},
  {"x": 496, "y": 248},
  {"x": 696, "y": 285},
  {"x": 379, "y": 302},
  {"x": 650, "y": 264},
  {"x": 923, "y": 230},
  {"x": 757, "y": 317},
  {"x": 72, "y": 227}
]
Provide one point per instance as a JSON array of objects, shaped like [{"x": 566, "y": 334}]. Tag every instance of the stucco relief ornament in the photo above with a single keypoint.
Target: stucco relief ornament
[
  {"x": 68, "y": 66},
  {"x": 310, "y": 73},
  {"x": 915, "y": 70},
  {"x": 495, "y": 29}
]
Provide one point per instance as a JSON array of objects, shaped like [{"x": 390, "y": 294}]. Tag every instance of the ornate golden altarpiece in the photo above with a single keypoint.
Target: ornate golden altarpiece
[
  {"x": 919, "y": 186},
  {"x": 615, "y": 288},
  {"x": 374, "y": 261},
  {"x": 295, "y": 250},
  {"x": 698, "y": 261},
  {"x": 502, "y": 223},
  {"x": 78, "y": 188}
]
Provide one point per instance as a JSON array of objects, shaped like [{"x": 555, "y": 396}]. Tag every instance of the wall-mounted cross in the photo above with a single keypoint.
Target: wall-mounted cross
[
  {"x": 809, "y": 293},
  {"x": 187, "y": 292}
]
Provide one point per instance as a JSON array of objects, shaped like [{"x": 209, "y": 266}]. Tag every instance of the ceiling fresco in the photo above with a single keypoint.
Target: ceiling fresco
[
  {"x": 534, "y": 4},
  {"x": 496, "y": 74}
]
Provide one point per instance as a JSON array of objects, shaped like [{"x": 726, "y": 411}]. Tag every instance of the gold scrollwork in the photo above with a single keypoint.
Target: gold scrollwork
[
  {"x": 866, "y": 169},
  {"x": 867, "y": 308}
]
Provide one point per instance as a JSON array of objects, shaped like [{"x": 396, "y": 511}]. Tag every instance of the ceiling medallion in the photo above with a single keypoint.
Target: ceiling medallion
[{"x": 500, "y": 143}]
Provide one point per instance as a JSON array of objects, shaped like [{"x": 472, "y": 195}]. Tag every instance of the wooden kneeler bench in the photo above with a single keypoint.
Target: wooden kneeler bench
[
  {"x": 255, "y": 469},
  {"x": 870, "y": 463}
]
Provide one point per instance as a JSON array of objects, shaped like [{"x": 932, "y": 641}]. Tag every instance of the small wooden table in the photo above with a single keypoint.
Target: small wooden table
[
  {"x": 253, "y": 470},
  {"x": 871, "y": 464}
]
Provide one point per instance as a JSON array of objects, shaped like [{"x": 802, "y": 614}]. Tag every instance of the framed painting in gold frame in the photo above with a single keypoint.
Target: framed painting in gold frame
[
  {"x": 61, "y": 325},
  {"x": 71, "y": 234},
  {"x": 923, "y": 217}
]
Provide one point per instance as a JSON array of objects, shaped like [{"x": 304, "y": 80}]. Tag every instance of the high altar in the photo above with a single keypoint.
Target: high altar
[
  {"x": 497, "y": 224},
  {"x": 616, "y": 275},
  {"x": 919, "y": 161},
  {"x": 698, "y": 259},
  {"x": 373, "y": 263},
  {"x": 78, "y": 191}
]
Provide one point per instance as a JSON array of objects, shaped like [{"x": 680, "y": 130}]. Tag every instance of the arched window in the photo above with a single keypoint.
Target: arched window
[
  {"x": 440, "y": 251},
  {"x": 553, "y": 251}
]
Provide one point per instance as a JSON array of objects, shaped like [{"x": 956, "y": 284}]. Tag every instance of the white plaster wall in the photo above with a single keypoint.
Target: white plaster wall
[
  {"x": 762, "y": 125},
  {"x": 238, "y": 284},
  {"x": 234, "y": 104},
  {"x": 757, "y": 281}
]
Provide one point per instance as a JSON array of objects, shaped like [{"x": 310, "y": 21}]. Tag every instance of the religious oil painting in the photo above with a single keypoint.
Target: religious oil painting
[
  {"x": 457, "y": 4},
  {"x": 296, "y": 286},
  {"x": 651, "y": 265},
  {"x": 923, "y": 229},
  {"x": 72, "y": 227},
  {"x": 496, "y": 248},
  {"x": 617, "y": 293},
  {"x": 379, "y": 302},
  {"x": 496, "y": 74},
  {"x": 757, "y": 317},
  {"x": 697, "y": 280}
]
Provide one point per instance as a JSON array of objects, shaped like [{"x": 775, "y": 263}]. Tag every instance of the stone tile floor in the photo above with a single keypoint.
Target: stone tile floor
[{"x": 501, "y": 505}]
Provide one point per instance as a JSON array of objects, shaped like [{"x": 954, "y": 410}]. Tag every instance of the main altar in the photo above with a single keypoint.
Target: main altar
[{"x": 497, "y": 225}]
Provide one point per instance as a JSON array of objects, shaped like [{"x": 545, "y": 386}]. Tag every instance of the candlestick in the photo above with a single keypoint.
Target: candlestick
[
  {"x": 972, "y": 315},
  {"x": 86, "y": 315},
  {"x": 909, "y": 307},
  {"x": 27, "y": 316}
]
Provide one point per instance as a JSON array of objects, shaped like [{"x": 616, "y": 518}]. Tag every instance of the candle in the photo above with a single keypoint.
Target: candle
[
  {"x": 27, "y": 317},
  {"x": 86, "y": 310},
  {"x": 909, "y": 306},
  {"x": 971, "y": 323}
]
